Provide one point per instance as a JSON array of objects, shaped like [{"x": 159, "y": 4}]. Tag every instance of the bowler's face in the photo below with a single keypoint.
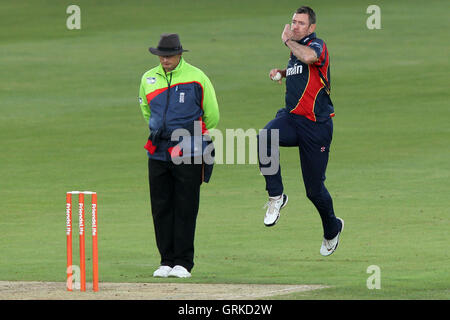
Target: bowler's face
[
  {"x": 169, "y": 62},
  {"x": 300, "y": 26}
]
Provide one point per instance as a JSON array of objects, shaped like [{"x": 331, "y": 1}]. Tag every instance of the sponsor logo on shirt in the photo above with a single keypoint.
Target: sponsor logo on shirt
[
  {"x": 296, "y": 69},
  {"x": 151, "y": 80}
]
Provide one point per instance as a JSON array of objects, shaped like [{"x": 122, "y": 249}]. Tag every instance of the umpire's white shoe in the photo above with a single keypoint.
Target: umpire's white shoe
[
  {"x": 162, "y": 272},
  {"x": 329, "y": 246},
  {"x": 274, "y": 205},
  {"x": 179, "y": 272}
]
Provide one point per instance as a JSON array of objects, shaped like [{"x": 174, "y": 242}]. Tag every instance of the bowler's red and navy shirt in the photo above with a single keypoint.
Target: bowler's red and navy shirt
[{"x": 308, "y": 86}]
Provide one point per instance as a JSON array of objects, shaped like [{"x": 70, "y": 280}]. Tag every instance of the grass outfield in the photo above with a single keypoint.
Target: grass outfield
[{"x": 70, "y": 120}]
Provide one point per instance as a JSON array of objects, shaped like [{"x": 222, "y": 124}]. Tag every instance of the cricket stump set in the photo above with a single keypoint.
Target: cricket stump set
[{"x": 81, "y": 214}]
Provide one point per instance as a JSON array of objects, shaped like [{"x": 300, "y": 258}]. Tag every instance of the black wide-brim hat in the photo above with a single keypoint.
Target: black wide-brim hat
[{"x": 168, "y": 45}]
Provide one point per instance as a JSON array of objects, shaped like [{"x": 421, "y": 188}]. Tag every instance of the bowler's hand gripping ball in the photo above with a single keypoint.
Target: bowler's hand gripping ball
[{"x": 276, "y": 77}]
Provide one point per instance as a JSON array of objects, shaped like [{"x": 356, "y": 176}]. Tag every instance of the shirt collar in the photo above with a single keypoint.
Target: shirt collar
[{"x": 306, "y": 39}]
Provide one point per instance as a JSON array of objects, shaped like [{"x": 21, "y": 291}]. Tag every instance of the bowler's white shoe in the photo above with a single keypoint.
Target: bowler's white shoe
[
  {"x": 274, "y": 205},
  {"x": 179, "y": 272},
  {"x": 162, "y": 272},
  {"x": 329, "y": 246}
]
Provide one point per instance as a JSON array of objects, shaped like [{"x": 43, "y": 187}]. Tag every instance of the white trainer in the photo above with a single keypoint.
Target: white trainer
[
  {"x": 329, "y": 246},
  {"x": 179, "y": 272},
  {"x": 274, "y": 205},
  {"x": 162, "y": 272}
]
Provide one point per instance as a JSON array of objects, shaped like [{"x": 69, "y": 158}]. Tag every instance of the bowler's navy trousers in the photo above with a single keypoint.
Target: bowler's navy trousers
[{"x": 313, "y": 140}]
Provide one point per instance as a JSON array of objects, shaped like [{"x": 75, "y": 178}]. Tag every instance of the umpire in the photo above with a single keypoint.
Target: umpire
[
  {"x": 305, "y": 122},
  {"x": 175, "y": 95}
]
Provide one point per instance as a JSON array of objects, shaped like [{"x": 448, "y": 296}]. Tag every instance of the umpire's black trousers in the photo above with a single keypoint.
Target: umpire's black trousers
[{"x": 175, "y": 196}]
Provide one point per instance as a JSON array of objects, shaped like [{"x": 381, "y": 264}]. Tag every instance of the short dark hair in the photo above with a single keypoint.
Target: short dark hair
[{"x": 310, "y": 12}]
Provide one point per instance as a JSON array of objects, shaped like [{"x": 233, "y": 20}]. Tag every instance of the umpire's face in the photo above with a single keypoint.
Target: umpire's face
[
  {"x": 300, "y": 26},
  {"x": 169, "y": 62}
]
